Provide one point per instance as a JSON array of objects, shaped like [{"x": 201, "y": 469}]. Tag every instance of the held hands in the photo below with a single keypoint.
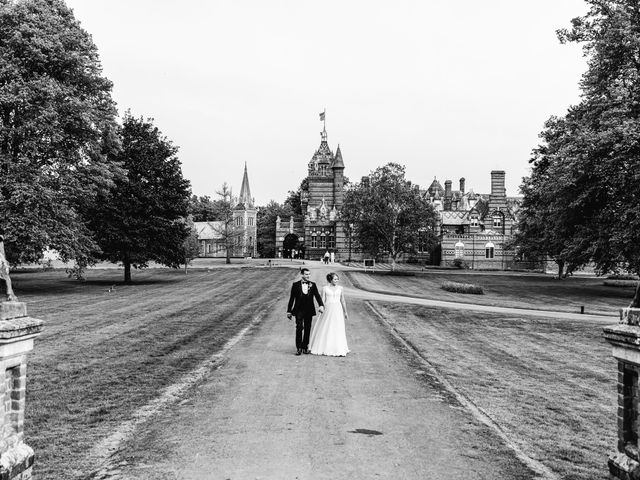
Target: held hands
[
  {"x": 289, "y": 315},
  {"x": 321, "y": 309}
]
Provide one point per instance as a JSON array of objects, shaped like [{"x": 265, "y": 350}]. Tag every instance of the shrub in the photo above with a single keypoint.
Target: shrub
[
  {"x": 620, "y": 283},
  {"x": 462, "y": 288},
  {"x": 460, "y": 263},
  {"x": 622, "y": 277}
]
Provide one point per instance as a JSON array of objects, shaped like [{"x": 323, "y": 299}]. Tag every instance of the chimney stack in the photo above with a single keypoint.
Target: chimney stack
[
  {"x": 497, "y": 183},
  {"x": 447, "y": 195},
  {"x": 462, "y": 185}
]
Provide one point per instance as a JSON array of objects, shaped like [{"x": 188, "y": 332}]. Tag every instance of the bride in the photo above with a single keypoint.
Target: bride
[{"x": 328, "y": 336}]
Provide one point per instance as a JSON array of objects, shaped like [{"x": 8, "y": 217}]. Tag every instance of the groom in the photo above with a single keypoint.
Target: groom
[{"x": 302, "y": 307}]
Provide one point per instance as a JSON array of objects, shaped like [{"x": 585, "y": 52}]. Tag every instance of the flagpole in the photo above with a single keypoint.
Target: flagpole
[{"x": 324, "y": 119}]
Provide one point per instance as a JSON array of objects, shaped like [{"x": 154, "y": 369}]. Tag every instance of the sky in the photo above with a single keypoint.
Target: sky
[{"x": 447, "y": 89}]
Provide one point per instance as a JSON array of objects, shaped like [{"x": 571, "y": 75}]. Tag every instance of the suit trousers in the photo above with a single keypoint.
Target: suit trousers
[{"x": 303, "y": 330}]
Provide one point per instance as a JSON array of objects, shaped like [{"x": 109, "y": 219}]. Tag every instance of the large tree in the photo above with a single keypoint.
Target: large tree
[
  {"x": 191, "y": 244},
  {"x": 592, "y": 155},
  {"x": 293, "y": 202},
  {"x": 57, "y": 130},
  {"x": 203, "y": 209},
  {"x": 389, "y": 215},
  {"x": 141, "y": 218},
  {"x": 226, "y": 228},
  {"x": 266, "y": 226},
  {"x": 550, "y": 222}
]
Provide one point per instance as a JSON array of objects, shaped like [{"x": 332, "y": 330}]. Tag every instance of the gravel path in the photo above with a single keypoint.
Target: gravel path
[
  {"x": 264, "y": 413},
  {"x": 365, "y": 295}
]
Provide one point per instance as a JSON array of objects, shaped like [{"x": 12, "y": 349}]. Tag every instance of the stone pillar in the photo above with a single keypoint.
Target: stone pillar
[
  {"x": 625, "y": 339},
  {"x": 17, "y": 332}
]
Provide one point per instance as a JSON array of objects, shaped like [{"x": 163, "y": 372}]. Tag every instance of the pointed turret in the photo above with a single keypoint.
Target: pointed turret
[
  {"x": 245, "y": 192},
  {"x": 337, "y": 161}
]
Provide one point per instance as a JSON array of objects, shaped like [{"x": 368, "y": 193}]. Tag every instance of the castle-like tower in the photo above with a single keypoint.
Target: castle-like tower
[
  {"x": 322, "y": 201},
  {"x": 320, "y": 229}
]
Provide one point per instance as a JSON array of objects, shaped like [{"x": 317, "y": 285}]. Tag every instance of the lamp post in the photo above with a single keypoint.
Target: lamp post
[{"x": 350, "y": 229}]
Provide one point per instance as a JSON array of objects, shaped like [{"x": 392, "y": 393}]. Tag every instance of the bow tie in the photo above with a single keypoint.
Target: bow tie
[{"x": 304, "y": 282}]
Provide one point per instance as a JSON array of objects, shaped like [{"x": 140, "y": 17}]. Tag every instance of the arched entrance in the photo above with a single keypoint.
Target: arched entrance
[{"x": 290, "y": 243}]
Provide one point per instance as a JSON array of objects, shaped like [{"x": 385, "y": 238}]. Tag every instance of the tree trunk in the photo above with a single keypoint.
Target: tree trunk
[
  {"x": 635, "y": 303},
  {"x": 228, "y": 259},
  {"x": 127, "y": 270},
  {"x": 560, "y": 269}
]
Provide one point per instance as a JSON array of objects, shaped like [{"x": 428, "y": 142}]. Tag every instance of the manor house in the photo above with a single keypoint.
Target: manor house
[
  {"x": 241, "y": 233},
  {"x": 474, "y": 229}
]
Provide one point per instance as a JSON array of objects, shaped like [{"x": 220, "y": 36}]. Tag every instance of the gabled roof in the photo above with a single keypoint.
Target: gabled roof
[
  {"x": 435, "y": 189},
  {"x": 209, "y": 230},
  {"x": 482, "y": 207},
  {"x": 323, "y": 154},
  {"x": 454, "y": 217}
]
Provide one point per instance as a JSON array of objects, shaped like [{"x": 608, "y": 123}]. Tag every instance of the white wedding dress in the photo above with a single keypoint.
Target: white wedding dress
[{"x": 328, "y": 335}]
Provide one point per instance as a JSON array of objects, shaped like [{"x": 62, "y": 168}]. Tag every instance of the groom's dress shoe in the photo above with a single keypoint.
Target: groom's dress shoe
[
  {"x": 306, "y": 351},
  {"x": 299, "y": 352}
]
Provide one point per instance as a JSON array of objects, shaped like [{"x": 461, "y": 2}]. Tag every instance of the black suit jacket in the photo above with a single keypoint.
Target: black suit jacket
[{"x": 301, "y": 304}]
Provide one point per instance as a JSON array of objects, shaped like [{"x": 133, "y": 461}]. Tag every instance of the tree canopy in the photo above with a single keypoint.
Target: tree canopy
[
  {"x": 57, "y": 130},
  {"x": 389, "y": 214},
  {"x": 266, "y": 226},
  {"x": 203, "y": 209},
  {"x": 582, "y": 195},
  {"x": 142, "y": 217}
]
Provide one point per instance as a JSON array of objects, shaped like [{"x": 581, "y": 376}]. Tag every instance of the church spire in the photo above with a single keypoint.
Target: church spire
[{"x": 245, "y": 191}]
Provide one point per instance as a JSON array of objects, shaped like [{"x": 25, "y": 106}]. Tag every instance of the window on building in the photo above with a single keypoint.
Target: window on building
[
  {"x": 250, "y": 221},
  {"x": 489, "y": 250},
  {"x": 331, "y": 239},
  {"x": 314, "y": 240},
  {"x": 208, "y": 248},
  {"x": 497, "y": 220},
  {"x": 203, "y": 246},
  {"x": 474, "y": 220},
  {"x": 459, "y": 250},
  {"x": 323, "y": 240},
  {"x": 238, "y": 221}
]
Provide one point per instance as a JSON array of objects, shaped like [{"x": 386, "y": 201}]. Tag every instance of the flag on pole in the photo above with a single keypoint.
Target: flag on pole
[{"x": 322, "y": 116}]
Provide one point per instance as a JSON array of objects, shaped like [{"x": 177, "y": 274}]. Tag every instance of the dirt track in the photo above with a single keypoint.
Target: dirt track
[{"x": 265, "y": 413}]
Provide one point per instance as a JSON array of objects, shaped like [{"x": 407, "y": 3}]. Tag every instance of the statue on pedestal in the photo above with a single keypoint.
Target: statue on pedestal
[{"x": 4, "y": 272}]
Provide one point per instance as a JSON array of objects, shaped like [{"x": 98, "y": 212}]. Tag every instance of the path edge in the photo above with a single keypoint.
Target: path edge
[{"x": 478, "y": 413}]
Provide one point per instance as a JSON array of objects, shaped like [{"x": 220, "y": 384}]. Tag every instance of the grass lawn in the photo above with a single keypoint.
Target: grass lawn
[
  {"x": 535, "y": 291},
  {"x": 551, "y": 385},
  {"x": 103, "y": 355}
]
